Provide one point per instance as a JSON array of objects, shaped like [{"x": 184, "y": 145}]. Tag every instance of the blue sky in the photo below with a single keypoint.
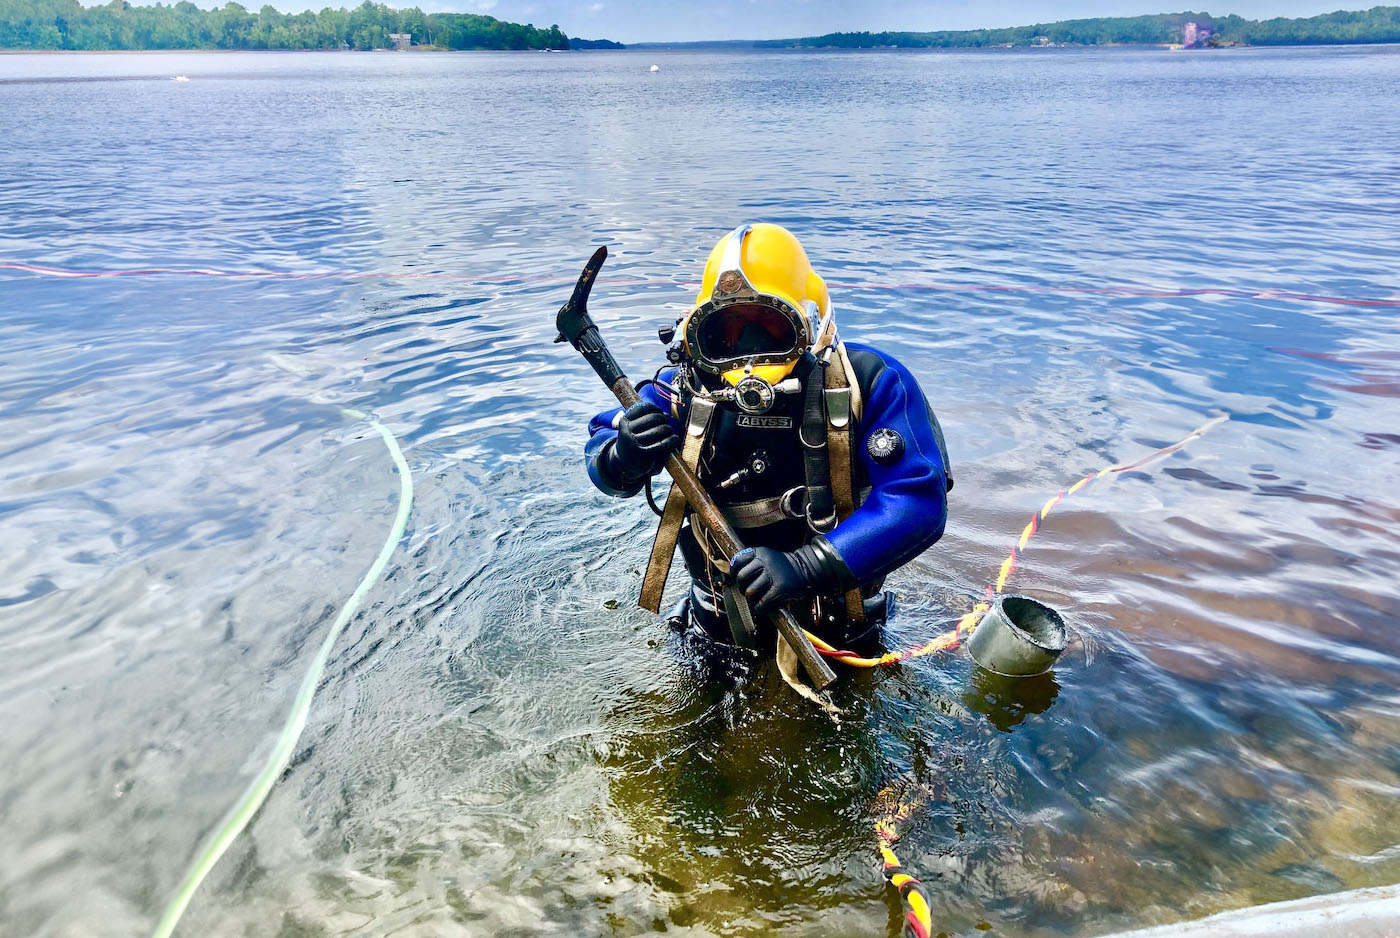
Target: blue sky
[{"x": 662, "y": 20}]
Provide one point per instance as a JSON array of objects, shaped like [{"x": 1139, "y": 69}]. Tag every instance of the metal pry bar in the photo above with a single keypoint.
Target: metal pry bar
[{"x": 579, "y": 330}]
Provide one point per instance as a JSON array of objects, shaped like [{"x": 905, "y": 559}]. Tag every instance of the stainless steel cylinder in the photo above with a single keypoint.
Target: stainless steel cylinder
[{"x": 1018, "y": 637}]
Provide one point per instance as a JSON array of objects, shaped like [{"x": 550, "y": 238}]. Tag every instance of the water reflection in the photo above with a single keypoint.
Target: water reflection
[
  {"x": 745, "y": 802},
  {"x": 1007, "y": 701},
  {"x": 497, "y": 750}
]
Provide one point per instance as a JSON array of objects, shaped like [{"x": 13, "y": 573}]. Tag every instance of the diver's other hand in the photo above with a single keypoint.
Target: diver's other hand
[
  {"x": 770, "y": 578},
  {"x": 644, "y": 439}
]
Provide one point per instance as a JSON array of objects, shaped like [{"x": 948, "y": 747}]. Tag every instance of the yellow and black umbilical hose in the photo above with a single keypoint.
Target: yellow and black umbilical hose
[{"x": 896, "y": 810}]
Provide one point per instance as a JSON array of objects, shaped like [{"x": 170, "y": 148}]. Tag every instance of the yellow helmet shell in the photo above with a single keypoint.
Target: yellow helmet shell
[
  {"x": 764, "y": 261},
  {"x": 770, "y": 373},
  {"x": 774, "y": 263}
]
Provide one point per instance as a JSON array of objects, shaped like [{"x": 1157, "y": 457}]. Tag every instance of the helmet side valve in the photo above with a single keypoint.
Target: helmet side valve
[{"x": 579, "y": 330}]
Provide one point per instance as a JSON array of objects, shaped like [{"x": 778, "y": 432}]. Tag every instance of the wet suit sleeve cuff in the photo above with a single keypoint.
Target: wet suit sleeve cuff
[
  {"x": 604, "y": 476},
  {"x": 607, "y": 461},
  {"x": 823, "y": 568}
]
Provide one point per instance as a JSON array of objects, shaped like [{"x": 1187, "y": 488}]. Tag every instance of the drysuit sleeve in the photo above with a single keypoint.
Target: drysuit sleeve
[
  {"x": 907, "y": 508},
  {"x": 602, "y": 431}
]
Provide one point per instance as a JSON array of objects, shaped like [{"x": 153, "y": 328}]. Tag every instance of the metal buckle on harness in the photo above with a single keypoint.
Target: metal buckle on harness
[
  {"x": 819, "y": 525},
  {"x": 787, "y": 503}
]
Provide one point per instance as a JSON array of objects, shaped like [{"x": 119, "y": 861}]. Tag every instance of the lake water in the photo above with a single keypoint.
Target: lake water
[{"x": 503, "y": 743}]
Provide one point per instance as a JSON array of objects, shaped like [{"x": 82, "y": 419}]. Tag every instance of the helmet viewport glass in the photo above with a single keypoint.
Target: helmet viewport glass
[{"x": 745, "y": 329}]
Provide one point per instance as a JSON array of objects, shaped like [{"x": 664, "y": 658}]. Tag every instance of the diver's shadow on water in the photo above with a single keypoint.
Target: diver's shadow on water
[{"x": 1007, "y": 701}]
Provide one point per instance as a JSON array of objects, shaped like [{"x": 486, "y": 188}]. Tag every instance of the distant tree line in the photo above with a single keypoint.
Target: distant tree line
[
  {"x": 576, "y": 43},
  {"x": 66, "y": 24},
  {"x": 1378, "y": 24}
]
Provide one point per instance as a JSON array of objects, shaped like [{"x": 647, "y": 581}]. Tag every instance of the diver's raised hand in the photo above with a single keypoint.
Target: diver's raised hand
[{"x": 644, "y": 439}]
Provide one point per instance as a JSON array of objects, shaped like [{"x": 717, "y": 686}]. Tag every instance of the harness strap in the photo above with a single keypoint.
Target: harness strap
[
  {"x": 821, "y": 509},
  {"x": 839, "y": 393},
  {"x": 761, "y": 512},
  {"x": 857, "y": 399},
  {"x": 832, "y": 408},
  {"x": 663, "y": 547}
]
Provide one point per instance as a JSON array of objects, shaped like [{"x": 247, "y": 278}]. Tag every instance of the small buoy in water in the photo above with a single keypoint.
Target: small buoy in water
[
  {"x": 655, "y": 68},
  {"x": 180, "y": 78}
]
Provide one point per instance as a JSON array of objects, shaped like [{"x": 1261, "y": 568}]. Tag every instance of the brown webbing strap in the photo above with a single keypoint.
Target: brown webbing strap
[
  {"x": 840, "y": 419},
  {"x": 663, "y": 547},
  {"x": 857, "y": 399}
]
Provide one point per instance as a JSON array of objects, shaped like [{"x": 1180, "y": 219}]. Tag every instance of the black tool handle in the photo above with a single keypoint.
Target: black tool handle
[{"x": 578, "y": 329}]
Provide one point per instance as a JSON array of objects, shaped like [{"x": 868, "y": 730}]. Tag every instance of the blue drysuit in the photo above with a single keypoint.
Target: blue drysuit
[{"x": 901, "y": 497}]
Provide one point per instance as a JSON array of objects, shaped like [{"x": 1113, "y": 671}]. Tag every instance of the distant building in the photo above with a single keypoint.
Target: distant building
[
  {"x": 1188, "y": 35},
  {"x": 404, "y": 40}
]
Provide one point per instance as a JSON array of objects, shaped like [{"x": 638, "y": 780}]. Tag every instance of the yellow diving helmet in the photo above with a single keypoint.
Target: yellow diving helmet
[{"x": 760, "y": 307}]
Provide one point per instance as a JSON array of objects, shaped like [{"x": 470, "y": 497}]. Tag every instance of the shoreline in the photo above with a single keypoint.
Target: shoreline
[
  {"x": 429, "y": 49},
  {"x": 663, "y": 49}
]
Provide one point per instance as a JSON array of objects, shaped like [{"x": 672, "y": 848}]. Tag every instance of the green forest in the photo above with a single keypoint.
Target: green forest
[
  {"x": 1378, "y": 24},
  {"x": 66, "y": 24}
]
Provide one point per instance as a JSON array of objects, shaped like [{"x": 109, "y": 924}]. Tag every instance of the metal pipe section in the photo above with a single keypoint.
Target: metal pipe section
[{"x": 1360, "y": 913}]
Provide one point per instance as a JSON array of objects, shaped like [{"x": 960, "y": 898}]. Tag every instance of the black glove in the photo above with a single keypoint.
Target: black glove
[
  {"x": 644, "y": 438},
  {"x": 770, "y": 578}
]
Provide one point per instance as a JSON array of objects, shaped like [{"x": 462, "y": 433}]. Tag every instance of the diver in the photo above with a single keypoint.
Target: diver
[{"x": 824, "y": 456}]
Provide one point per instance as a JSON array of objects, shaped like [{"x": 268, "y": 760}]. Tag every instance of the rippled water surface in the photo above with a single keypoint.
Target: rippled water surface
[{"x": 504, "y": 744}]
